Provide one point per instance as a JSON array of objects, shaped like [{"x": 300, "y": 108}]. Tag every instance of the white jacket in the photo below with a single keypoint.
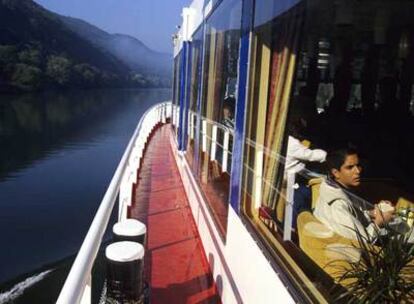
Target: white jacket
[
  {"x": 335, "y": 210},
  {"x": 297, "y": 153}
]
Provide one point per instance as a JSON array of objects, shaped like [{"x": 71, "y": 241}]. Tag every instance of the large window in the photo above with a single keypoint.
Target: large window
[
  {"x": 275, "y": 48},
  {"x": 176, "y": 93},
  {"x": 332, "y": 73},
  {"x": 222, "y": 35},
  {"x": 194, "y": 83}
]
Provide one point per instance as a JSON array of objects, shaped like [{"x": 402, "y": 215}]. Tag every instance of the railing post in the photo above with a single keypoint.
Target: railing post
[
  {"x": 87, "y": 292},
  {"x": 193, "y": 116},
  {"x": 159, "y": 110},
  {"x": 189, "y": 123},
  {"x": 164, "y": 113},
  {"x": 124, "y": 196},
  {"x": 290, "y": 191},
  {"x": 258, "y": 177},
  {"x": 204, "y": 135},
  {"x": 213, "y": 142},
  {"x": 225, "y": 150},
  {"x": 177, "y": 116}
]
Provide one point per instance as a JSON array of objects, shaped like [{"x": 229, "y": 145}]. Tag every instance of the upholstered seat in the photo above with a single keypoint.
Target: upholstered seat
[
  {"x": 315, "y": 184},
  {"x": 404, "y": 203},
  {"x": 327, "y": 249},
  {"x": 316, "y": 229}
]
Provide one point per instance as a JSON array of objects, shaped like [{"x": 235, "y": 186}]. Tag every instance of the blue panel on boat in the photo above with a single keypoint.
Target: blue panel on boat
[
  {"x": 181, "y": 130},
  {"x": 237, "y": 160},
  {"x": 187, "y": 78},
  {"x": 200, "y": 32}
]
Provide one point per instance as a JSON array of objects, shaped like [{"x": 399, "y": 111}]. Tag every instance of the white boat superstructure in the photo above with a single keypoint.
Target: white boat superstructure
[{"x": 250, "y": 75}]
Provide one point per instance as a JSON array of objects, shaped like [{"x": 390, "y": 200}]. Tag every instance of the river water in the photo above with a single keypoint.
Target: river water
[{"x": 58, "y": 152}]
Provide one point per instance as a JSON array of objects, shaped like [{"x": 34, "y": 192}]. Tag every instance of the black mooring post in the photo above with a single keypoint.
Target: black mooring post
[{"x": 124, "y": 272}]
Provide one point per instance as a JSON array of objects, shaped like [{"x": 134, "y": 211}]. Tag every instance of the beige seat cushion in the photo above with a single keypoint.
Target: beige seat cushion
[
  {"x": 316, "y": 229},
  {"x": 338, "y": 251}
]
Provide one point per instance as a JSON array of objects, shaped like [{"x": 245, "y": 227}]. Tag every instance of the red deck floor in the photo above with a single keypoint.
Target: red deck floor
[{"x": 176, "y": 266}]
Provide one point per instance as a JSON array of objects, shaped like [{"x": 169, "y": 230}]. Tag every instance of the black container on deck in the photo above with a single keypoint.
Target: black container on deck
[
  {"x": 124, "y": 281},
  {"x": 131, "y": 238},
  {"x": 124, "y": 272}
]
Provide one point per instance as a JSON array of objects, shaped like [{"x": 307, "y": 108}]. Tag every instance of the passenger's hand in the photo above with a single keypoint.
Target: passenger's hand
[
  {"x": 372, "y": 213},
  {"x": 385, "y": 206},
  {"x": 381, "y": 218}
]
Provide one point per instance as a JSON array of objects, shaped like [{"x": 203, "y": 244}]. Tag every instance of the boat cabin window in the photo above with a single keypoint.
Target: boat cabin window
[
  {"x": 176, "y": 93},
  {"x": 194, "y": 83},
  {"x": 222, "y": 35},
  {"x": 325, "y": 74}
]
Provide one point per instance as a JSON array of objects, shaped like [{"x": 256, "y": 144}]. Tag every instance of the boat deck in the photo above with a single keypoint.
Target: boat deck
[{"x": 175, "y": 264}]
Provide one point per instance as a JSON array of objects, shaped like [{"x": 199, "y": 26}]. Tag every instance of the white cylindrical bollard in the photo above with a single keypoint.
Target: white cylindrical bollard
[{"x": 130, "y": 230}]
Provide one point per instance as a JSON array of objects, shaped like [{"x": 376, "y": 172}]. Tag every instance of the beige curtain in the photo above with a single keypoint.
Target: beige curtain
[
  {"x": 285, "y": 49},
  {"x": 214, "y": 83}
]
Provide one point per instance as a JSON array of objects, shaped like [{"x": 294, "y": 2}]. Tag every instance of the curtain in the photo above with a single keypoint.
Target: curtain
[{"x": 285, "y": 49}]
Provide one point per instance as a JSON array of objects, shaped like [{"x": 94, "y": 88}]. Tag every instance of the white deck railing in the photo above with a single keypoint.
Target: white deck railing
[
  {"x": 215, "y": 139},
  {"x": 77, "y": 287}
]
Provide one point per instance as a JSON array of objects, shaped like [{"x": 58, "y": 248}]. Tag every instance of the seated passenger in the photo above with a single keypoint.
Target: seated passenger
[
  {"x": 296, "y": 157},
  {"x": 228, "y": 110},
  {"x": 342, "y": 211}
]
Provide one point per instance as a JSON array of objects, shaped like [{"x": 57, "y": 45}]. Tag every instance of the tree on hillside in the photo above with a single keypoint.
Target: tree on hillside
[
  {"x": 30, "y": 56},
  {"x": 58, "y": 69},
  {"x": 85, "y": 74},
  {"x": 26, "y": 76},
  {"x": 8, "y": 54}
]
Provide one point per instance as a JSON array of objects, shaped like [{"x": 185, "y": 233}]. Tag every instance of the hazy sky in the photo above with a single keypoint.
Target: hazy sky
[{"x": 151, "y": 21}]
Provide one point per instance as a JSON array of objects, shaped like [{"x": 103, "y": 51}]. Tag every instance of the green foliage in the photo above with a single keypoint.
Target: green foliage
[
  {"x": 30, "y": 56},
  {"x": 58, "y": 69},
  {"x": 85, "y": 74},
  {"x": 8, "y": 54},
  {"x": 384, "y": 273},
  {"x": 26, "y": 76},
  {"x": 40, "y": 37}
]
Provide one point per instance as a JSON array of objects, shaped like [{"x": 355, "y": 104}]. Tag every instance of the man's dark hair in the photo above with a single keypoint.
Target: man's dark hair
[
  {"x": 229, "y": 103},
  {"x": 336, "y": 158},
  {"x": 227, "y": 106}
]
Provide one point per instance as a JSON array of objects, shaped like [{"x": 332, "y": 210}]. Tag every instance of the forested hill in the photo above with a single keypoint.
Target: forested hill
[
  {"x": 38, "y": 50},
  {"x": 136, "y": 55}
]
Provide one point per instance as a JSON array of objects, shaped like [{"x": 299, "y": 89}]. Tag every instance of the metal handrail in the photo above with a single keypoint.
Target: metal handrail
[{"x": 80, "y": 274}]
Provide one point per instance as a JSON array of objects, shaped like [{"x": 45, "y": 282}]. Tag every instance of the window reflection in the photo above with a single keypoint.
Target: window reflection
[
  {"x": 176, "y": 93},
  {"x": 194, "y": 78},
  {"x": 275, "y": 48},
  {"x": 222, "y": 35},
  {"x": 348, "y": 79}
]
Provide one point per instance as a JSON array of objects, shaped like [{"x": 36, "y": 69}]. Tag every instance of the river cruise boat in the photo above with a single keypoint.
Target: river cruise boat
[{"x": 214, "y": 176}]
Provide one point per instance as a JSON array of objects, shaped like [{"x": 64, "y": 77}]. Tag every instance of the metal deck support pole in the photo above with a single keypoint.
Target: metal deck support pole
[
  {"x": 290, "y": 191},
  {"x": 226, "y": 142},
  {"x": 213, "y": 143},
  {"x": 87, "y": 292}
]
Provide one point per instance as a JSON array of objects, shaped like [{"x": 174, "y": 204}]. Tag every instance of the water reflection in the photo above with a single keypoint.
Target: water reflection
[
  {"x": 34, "y": 125},
  {"x": 58, "y": 152}
]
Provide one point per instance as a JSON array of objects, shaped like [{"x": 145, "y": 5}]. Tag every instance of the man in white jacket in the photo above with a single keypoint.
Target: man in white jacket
[
  {"x": 338, "y": 208},
  {"x": 296, "y": 157}
]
